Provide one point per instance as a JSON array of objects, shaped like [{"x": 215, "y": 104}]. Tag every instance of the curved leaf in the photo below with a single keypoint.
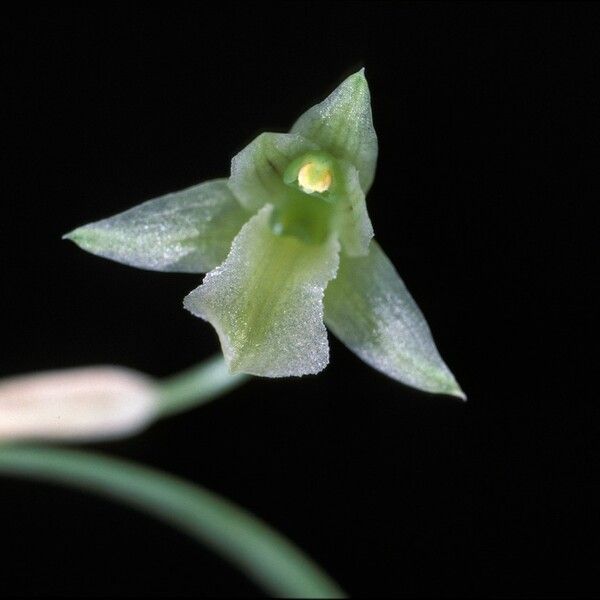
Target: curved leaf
[{"x": 263, "y": 554}]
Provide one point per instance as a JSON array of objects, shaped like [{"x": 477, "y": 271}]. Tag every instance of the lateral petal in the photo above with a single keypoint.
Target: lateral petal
[
  {"x": 370, "y": 310},
  {"x": 257, "y": 171},
  {"x": 188, "y": 231}
]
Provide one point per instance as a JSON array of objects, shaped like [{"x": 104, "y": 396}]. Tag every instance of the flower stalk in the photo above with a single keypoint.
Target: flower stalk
[{"x": 196, "y": 386}]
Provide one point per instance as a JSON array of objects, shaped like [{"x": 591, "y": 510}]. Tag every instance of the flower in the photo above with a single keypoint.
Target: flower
[
  {"x": 85, "y": 404},
  {"x": 287, "y": 245}
]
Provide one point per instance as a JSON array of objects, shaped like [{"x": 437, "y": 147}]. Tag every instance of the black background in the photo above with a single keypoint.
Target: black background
[{"x": 487, "y": 122}]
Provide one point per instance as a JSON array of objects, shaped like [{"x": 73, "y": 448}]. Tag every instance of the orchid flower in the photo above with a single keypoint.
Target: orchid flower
[{"x": 287, "y": 245}]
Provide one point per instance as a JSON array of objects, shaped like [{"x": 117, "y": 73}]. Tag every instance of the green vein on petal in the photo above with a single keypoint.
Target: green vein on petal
[{"x": 266, "y": 301}]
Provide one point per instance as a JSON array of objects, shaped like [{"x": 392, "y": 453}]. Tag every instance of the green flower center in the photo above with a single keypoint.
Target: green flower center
[{"x": 307, "y": 210}]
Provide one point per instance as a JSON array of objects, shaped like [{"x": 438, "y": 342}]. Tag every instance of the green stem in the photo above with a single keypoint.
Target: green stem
[
  {"x": 196, "y": 386},
  {"x": 260, "y": 552}
]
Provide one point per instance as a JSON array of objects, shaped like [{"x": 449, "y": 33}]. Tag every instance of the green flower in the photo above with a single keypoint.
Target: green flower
[{"x": 287, "y": 246}]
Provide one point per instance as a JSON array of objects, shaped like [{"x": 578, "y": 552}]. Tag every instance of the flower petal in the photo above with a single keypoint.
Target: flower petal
[
  {"x": 368, "y": 308},
  {"x": 187, "y": 231},
  {"x": 257, "y": 171},
  {"x": 266, "y": 301},
  {"x": 343, "y": 125},
  {"x": 354, "y": 225}
]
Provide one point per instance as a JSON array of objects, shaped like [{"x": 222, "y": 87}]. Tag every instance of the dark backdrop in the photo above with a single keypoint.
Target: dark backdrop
[{"x": 486, "y": 115}]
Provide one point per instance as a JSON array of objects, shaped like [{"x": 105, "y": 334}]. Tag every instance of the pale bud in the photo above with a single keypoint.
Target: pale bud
[{"x": 90, "y": 403}]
